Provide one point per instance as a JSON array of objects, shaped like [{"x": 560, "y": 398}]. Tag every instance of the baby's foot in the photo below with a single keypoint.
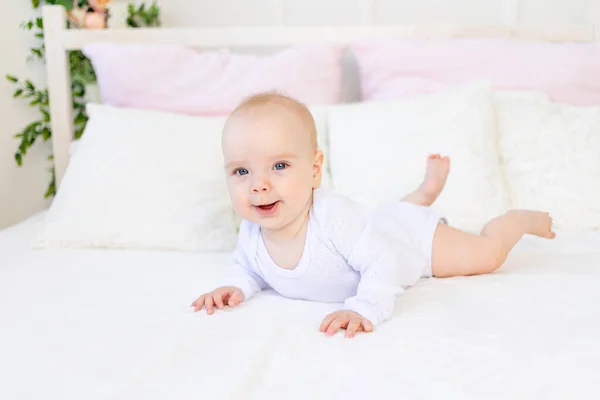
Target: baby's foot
[
  {"x": 438, "y": 168},
  {"x": 537, "y": 223}
]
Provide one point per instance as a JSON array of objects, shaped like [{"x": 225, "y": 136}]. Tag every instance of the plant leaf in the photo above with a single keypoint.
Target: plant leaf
[
  {"x": 37, "y": 52},
  {"x": 68, "y": 4},
  {"x": 46, "y": 115},
  {"x": 23, "y": 146},
  {"x": 46, "y": 133},
  {"x": 12, "y": 79},
  {"x": 81, "y": 119},
  {"x": 19, "y": 159},
  {"x": 35, "y": 3},
  {"x": 51, "y": 191}
]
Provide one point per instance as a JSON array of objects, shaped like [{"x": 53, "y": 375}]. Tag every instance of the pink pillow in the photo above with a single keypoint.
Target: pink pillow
[
  {"x": 392, "y": 69},
  {"x": 183, "y": 80}
]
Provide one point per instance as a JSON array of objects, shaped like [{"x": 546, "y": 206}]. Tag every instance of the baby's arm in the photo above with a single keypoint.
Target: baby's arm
[
  {"x": 243, "y": 276},
  {"x": 242, "y": 281},
  {"x": 382, "y": 277}
]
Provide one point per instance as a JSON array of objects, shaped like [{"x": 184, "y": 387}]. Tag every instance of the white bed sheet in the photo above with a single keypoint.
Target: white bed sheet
[{"x": 83, "y": 324}]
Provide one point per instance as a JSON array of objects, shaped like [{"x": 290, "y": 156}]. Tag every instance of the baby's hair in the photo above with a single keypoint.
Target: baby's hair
[{"x": 274, "y": 98}]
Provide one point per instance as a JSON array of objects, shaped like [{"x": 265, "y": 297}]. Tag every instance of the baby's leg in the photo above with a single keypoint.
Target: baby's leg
[
  {"x": 456, "y": 253},
  {"x": 435, "y": 178}
]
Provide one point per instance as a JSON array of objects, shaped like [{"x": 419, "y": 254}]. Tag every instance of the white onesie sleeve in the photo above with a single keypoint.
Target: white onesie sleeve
[
  {"x": 381, "y": 276},
  {"x": 369, "y": 252},
  {"x": 242, "y": 272}
]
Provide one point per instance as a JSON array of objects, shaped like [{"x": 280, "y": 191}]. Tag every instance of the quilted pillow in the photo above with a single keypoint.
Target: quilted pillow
[
  {"x": 550, "y": 156},
  {"x": 146, "y": 180},
  {"x": 183, "y": 80}
]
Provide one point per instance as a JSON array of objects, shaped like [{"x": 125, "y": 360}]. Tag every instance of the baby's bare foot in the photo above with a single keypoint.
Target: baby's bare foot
[
  {"x": 438, "y": 168},
  {"x": 537, "y": 223}
]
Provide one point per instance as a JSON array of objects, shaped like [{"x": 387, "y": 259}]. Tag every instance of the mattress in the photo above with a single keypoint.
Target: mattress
[{"x": 116, "y": 324}]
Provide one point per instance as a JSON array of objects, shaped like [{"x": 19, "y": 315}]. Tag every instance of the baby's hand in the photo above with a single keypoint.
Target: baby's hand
[
  {"x": 226, "y": 295},
  {"x": 348, "y": 320}
]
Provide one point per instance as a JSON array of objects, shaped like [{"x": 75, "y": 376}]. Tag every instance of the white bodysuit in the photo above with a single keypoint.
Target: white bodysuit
[{"x": 353, "y": 255}]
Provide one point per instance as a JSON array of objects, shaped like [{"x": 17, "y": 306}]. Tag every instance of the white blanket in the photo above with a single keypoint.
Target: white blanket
[{"x": 83, "y": 324}]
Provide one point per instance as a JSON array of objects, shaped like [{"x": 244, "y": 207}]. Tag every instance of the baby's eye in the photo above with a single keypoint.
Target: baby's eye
[
  {"x": 280, "y": 166},
  {"x": 240, "y": 171}
]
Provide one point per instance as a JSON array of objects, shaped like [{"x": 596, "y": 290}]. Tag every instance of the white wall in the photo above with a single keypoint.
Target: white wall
[
  {"x": 303, "y": 12},
  {"x": 22, "y": 189}
]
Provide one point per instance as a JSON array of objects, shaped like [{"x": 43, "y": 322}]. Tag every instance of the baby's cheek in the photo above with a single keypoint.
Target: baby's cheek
[{"x": 239, "y": 198}]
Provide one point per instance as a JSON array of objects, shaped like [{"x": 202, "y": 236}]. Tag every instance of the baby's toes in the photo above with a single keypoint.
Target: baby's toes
[
  {"x": 546, "y": 225},
  {"x": 551, "y": 235}
]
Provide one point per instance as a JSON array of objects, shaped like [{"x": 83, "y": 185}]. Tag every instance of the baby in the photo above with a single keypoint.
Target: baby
[{"x": 306, "y": 243}]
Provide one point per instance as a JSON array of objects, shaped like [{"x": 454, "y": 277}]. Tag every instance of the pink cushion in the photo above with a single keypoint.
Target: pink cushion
[
  {"x": 183, "y": 80},
  {"x": 399, "y": 68}
]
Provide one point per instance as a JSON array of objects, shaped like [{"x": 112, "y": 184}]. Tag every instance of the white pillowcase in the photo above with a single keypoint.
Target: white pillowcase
[
  {"x": 143, "y": 179},
  {"x": 551, "y": 157},
  {"x": 149, "y": 180},
  {"x": 378, "y": 152}
]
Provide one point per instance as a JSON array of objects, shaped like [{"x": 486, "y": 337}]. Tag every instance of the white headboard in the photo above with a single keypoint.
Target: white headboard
[{"x": 60, "y": 40}]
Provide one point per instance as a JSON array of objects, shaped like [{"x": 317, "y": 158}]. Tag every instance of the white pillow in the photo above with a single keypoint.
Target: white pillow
[
  {"x": 143, "y": 179},
  {"x": 550, "y": 156},
  {"x": 378, "y": 152}
]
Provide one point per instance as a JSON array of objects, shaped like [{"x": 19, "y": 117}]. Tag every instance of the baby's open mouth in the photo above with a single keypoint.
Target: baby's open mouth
[
  {"x": 267, "y": 207},
  {"x": 267, "y": 210}
]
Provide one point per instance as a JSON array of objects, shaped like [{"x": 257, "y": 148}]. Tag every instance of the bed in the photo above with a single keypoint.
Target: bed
[{"x": 114, "y": 322}]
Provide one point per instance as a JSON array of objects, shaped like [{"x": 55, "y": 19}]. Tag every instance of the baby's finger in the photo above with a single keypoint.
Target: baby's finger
[
  {"x": 208, "y": 303},
  {"x": 234, "y": 298},
  {"x": 219, "y": 300},
  {"x": 326, "y": 321},
  {"x": 337, "y": 323},
  {"x": 353, "y": 326},
  {"x": 367, "y": 325},
  {"x": 199, "y": 303}
]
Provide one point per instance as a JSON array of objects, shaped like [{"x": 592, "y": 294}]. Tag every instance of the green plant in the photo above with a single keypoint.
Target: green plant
[
  {"x": 82, "y": 75},
  {"x": 143, "y": 16}
]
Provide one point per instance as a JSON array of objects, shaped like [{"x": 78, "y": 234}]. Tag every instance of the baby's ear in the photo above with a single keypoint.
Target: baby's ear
[{"x": 318, "y": 168}]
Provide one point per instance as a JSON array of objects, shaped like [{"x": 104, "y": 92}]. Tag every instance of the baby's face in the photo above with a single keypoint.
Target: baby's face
[{"x": 271, "y": 167}]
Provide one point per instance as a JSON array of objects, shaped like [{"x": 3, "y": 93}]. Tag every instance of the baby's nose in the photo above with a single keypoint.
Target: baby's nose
[{"x": 261, "y": 185}]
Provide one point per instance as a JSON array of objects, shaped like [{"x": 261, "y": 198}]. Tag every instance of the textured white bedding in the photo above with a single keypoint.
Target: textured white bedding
[{"x": 108, "y": 324}]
